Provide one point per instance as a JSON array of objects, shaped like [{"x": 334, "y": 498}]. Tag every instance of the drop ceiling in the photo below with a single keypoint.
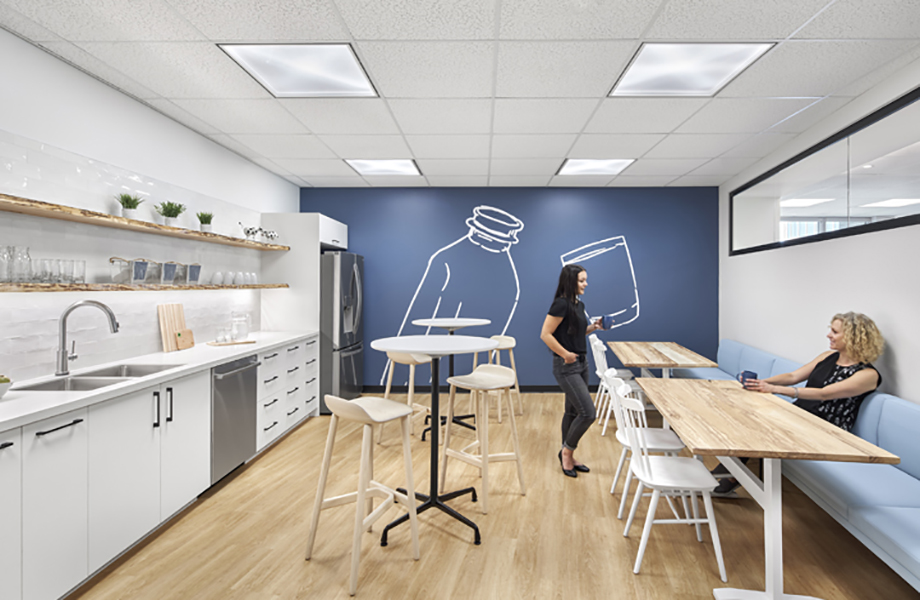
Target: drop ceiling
[{"x": 484, "y": 92}]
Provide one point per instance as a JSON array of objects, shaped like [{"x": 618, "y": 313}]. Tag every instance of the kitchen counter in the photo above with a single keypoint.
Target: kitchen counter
[{"x": 18, "y": 408}]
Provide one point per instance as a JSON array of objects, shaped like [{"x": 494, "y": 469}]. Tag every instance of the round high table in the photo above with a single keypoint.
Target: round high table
[{"x": 435, "y": 346}]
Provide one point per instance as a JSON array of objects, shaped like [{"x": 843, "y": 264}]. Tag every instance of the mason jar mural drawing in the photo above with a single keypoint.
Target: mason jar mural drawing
[
  {"x": 474, "y": 276},
  {"x": 612, "y": 279}
]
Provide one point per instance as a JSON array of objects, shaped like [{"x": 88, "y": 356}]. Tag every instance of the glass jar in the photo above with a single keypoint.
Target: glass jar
[
  {"x": 240, "y": 323},
  {"x": 6, "y": 263},
  {"x": 21, "y": 271}
]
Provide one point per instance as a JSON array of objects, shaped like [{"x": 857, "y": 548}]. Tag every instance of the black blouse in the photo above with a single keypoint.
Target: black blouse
[
  {"x": 571, "y": 331},
  {"x": 842, "y": 411}
]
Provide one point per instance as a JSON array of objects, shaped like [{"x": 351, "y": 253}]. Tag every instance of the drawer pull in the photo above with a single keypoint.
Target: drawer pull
[
  {"x": 270, "y": 403},
  {"x": 270, "y": 379},
  {"x": 311, "y": 380},
  {"x": 270, "y": 426},
  {"x": 310, "y": 362},
  {"x": 293, "y": 411},
  {"x": 311, "y": 342},
  {"x": 292, "y": 370},
  {"x": 312, "y": 398},
  {"x": 169, "y": 414},
  {"x": 5, "y": 445},
  {"x": 156, "y": 400},
  {"x": 71, "y": 424},
  {"x": 294, "y": 348},
  {"x": 270, "y": 356},
  {"x": 294, "y": 390}
]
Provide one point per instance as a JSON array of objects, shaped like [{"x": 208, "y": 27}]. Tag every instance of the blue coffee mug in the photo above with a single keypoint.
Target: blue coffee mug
[{"x": 745, "y": 375}]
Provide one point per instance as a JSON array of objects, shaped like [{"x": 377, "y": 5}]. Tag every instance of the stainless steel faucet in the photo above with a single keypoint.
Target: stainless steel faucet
[{"x": 62, "y": 355}]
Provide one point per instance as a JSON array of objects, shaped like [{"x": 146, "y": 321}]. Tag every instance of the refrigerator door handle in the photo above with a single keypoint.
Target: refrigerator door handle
[{"x": 359, "y": 294}]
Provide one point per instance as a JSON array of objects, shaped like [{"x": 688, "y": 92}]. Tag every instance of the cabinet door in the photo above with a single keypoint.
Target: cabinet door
[
  {"x": 11, "y": 514},
  {"x": 54, "y": 495},
  {"x": 124, "y": 473},
  {"x": 185, "y": 442},
  {"x": 332, "y": 234}
]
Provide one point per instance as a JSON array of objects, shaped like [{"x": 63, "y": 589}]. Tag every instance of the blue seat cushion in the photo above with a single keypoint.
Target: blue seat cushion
[
  {"x": 729, "y": 356},
  {"x": 755, "y": 360},
  {"x": 895, "y": 529},
  {"x": 848, "y": 485},
  {"x": 897, "y": 432},
  {"x": 870, "y": 411},
  {"x": 782, "y": 365},
  {"x": 701, "y": 373}
]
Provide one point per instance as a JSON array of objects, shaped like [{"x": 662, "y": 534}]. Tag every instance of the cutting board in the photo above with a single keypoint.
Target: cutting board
[
  {"x": 172, "y": 321},
  {"x": 185, "y": 339}
]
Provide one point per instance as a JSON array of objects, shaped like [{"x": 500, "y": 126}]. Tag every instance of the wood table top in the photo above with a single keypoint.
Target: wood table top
[
  {"x": 721, "y": 418},
  {"x": 658, "y": 355}
]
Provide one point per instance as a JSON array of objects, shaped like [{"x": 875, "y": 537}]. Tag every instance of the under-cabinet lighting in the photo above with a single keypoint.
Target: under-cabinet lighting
[
  {"x": 592, "y": 166},
  {"x": 685, "y": 69},
  {"x": 893, "y": 203},
  {"x": 303, "y": 70},
  {"x": 803, "y": 202},
  {"x": 384, "y": 167}
]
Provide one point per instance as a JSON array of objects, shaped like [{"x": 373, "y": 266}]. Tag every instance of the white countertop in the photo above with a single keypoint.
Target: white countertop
[{"x": 18, "y": 408}]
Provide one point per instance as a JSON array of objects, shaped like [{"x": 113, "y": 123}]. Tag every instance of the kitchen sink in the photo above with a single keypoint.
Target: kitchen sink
[
  {"x": 126, "y": 371},
  {"x": 71, "y": 384}
]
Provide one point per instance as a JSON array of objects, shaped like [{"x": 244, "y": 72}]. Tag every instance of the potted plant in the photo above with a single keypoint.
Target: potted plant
[
  {"x": 129, "y": 205},
  {"x": 170, "y": 212},
  {"x": 204, "y": 219}
]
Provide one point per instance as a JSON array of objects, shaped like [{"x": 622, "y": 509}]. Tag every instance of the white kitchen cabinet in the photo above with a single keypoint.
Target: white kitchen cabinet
[
  {"x": 332, "y": 234},
  {"x": 185, "y": 448},
  {"x": 10, "y": 514},
  {"x": 54, "y": 505},
  {"x": 270, "y": 420}
]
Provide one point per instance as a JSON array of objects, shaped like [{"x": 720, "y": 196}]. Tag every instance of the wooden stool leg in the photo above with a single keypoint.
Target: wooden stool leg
[
  {"x": 364, "y": 480},
  {"x": 321, "y": 488},
  {"x": 517, "y": 388},
  {"x": 447, "y": 428},
  {"x": 517, "y": 447},
  {"x": 370, "y": 468},
  {"x": 410, "y": 484},
  {"x": 411, "y": 400},
  {"x": 386, "y": 394},
  {"x": 484, "y": 450}
]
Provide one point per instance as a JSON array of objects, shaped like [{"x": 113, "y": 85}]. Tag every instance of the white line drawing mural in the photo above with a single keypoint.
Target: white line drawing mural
[
  {"x": 475, "y": 274},
  {"x": 611, "y": 272}
]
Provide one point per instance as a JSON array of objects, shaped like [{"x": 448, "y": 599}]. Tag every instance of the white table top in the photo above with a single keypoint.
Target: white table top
[
  {"x": 451, "y": 324},
  {"x": 434, "y": 345}
]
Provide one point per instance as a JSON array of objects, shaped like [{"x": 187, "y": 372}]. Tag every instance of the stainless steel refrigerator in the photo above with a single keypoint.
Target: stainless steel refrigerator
[{"x": 341, "y": 326}]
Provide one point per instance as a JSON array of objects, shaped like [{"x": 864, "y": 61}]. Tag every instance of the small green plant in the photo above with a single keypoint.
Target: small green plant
[
  {"x": 128, "y": 201},
  {"x": 205, "y": 218},
  {"x": 170, "y": 210}
]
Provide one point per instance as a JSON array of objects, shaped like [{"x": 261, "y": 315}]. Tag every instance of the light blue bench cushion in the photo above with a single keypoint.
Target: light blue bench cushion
[
  {"x": 701, "y": 373},
  {"x": 729, "y": 357},
  {"x": 848, "y": 485},
  {"x": 870, "y": 411},
  {"x": 755, "y": 360},
  {"x": 780, "y": 366},
  {"x": 895, "y": 529},
  {"x": 899, "y": 433}
]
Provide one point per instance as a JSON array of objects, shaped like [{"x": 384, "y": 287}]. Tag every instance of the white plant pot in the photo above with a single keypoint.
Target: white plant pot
[
  {"x": 171, "y": 221},
  {"x": 129, "y": 213},
  {"x": 207, "y": 227}
]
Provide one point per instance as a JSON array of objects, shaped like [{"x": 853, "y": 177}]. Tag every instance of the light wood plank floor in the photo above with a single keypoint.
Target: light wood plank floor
[{"x": 245, "y": 539}]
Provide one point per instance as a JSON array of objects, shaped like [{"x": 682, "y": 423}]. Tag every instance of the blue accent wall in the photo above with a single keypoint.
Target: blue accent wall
[{"x": 671, "y": 235}]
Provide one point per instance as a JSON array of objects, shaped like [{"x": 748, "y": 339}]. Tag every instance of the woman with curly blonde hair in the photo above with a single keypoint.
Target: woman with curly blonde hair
[{"x": 837, "y": 381}]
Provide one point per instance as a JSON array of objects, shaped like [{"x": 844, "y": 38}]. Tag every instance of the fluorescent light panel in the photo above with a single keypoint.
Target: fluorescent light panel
[
  {"x": 685, "y": 69},
  {"x": 893, "y": 203},
  {"x": 803, "y": 202},
  {"x": 384, "y": 167},
  {"x": 590, "y": 166},
  {"x": 303, "y": 70}
]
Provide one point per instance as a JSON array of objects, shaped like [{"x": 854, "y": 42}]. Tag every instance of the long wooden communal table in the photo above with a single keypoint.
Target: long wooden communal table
[
  {"x": 722, "y": 419},
  {"x": 658, "y": 355}
]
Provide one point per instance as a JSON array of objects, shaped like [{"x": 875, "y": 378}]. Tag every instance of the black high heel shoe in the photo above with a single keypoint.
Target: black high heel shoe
[
  {"x": 582, "y": 468},
  {"x": 568, "y": 472}
]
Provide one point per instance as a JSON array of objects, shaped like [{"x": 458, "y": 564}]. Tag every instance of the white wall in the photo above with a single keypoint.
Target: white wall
[{"x": 781, "y": 300}]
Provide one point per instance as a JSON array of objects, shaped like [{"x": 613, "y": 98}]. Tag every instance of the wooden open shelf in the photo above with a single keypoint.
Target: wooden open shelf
[
  {"x": 78, "y": 215},
  {"x": 121, "y": 287}
]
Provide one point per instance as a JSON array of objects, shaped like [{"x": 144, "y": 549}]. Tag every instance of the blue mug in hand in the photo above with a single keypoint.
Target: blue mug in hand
[
  {"x": 743, "y": 376},
  {"x": 607, "y": 321}
]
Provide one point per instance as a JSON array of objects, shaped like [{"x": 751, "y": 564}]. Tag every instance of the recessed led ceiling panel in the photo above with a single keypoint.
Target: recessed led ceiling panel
[
  {"x": 685, "y": 69},
  {"x": 893, "y": 203},
  {"x": 591, "y": 166},
  {"x": 303, "y": 70},
  {"x": 803, "y": 202},
  {"x": 384, "y": 167}
]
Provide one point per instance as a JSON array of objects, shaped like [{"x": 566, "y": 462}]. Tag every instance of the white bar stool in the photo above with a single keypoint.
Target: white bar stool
[
  {"x": 370, "y": 411},
  {"x": 485, "y": 379},
  {"x": 413, "y": 360},
  {"x": 508, "y": 343}
]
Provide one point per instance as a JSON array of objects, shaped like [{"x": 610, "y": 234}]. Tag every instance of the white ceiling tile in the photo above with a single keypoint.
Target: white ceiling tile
[
  {"x": 723, "y": 166},
  {"x": 179, "y": 69},
  {"x": 257, "y": 21},
  {"x": 866, "y": 82},
  {"x": 297, "y": 181},
  {"x": 663, "y": 166},
  {"x": 105, "y": 72},
  {"x": 442, "y": 115},
  {"x": 580, "y": 180},
  {"x": 699, "y": 181},
  {"x": 716, "y": 20},
  {"x": 429, "y": 69},
  {"x": 18, "y": 23},
  {"x": 643, "y": 115},
  {"x": 525, "y": 166},
  {"x": 559, "y": 69},
  {"x": 336, "y": 182},
  {"x": 343, "y": 115},
  {"x": 412, "y": 20},
  {"x": 307, "y": 169},
  {"x": 742, "y": 115},
  {"x": 286, "y": 146},
  {"x": 180, "y": 115},
  {"x": 532, "y": 146},
  {"x": 243, "y": 116},
  {"x": 453, "y": 167},
  {"x": 108, "y": 20},
  {"x": 542, "y": 116},
  {"x": 396, "y": 181},
  {"x": 613, "y": 145},
  {"x": 455, "y": 181},
  {"x": 231, "y": 144},
  {"x": 551, "y": 19},
  {"x": 811, "y": 115},
  {"x": 518, "y": 181},
  {"x": 696, "y": 145},
  {"x": 367, "y": 146},
  {"x": 861, "y": 19},
  {"x": 449, "y": 146},
  {"x": 641, "y": 181},
  {"x": 760, "y": 145},
  {"x": 275, "y": 168},
  {"x": 812, "y": 68}
]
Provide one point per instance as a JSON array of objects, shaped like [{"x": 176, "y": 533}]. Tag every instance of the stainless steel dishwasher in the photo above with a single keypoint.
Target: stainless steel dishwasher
[{"x": 233, "y": 415}]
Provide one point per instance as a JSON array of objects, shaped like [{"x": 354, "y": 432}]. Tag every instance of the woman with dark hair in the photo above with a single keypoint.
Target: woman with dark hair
[{"x": 564, "y": 331}]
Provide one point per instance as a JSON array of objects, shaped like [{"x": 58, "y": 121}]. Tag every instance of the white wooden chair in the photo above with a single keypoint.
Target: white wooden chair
[
  {"x": 505, "y": 343},
  {"x": 413, "y": 360},
  {"x": 369, "y": 411},
  {"x": 665, "y": 476},
  {"x": 602, "y": 398}
]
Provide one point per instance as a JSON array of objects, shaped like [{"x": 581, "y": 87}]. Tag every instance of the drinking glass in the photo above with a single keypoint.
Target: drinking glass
[
  {"x": 6, "y": 261},
  {"x": 49, "y": 273},
  {"x": 66, "y": 267},
  {"x": 79, "y": 271},
  {"x": 21, "y": 265}
]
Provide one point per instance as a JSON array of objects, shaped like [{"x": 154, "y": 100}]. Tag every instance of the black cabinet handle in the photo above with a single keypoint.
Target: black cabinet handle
[
  {"x": 312, "y": 398},
  {"x": 294, "y": 348},
  {"x": 292, "y": 370},
  {"x": 294, "y": 390},
  {"x": 271, "y": 379},
  {"x": 169, "y": 414},
  {"x": 71, "y": 424},
  {"x": 293, "y": 411},
  {"x": 5, "y": 445},
  {"x": 156, "y": 399},
  {"x": 311, "y": 342},
  {"x": 270, "y": 426},
  {"x": 310, "y": 362},
  {"x": 270, "y": 403},
  {"x": 270, "y": 356},
  {"x": 311, "y": 380}
]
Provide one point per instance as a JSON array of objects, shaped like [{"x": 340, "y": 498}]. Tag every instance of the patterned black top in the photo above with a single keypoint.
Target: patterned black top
[{"x": 842, "y": 411}]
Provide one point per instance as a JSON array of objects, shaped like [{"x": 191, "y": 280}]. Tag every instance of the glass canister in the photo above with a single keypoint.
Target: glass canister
[
  {"x": 21, "y": 265},
  {"x": 6, "y": 263},
  {"x": 240, "y": 323}
]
